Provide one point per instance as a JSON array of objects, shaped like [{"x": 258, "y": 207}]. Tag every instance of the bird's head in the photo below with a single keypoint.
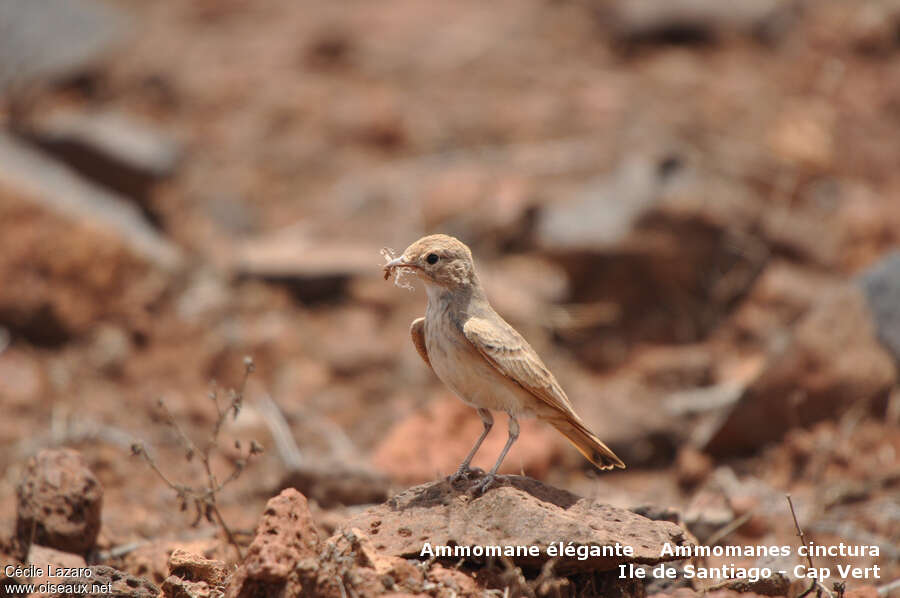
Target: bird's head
[{"x": 439, "y": 260}]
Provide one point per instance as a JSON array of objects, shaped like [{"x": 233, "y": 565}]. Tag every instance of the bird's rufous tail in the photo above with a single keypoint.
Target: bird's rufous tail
[{"x": 587, "y": 443}]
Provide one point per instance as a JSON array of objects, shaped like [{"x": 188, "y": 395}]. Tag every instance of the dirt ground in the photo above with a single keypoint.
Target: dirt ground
[{"x": 664, "y": 203}]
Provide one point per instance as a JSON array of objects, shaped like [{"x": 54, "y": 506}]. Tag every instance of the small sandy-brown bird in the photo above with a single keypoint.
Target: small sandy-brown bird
[{"x": 483, "y": 359}]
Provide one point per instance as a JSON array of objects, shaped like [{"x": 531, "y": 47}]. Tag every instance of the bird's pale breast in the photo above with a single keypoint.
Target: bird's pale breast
[{"x": 463, "y": 369}]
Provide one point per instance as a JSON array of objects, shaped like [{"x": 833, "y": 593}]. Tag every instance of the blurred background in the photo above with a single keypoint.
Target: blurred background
[{"x": 690, "y": 209}]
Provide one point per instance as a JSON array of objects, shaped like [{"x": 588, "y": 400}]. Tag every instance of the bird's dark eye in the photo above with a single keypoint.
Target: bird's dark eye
[{"x": 431, "y": 258}]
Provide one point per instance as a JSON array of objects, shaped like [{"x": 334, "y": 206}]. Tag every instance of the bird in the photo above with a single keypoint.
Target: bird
[{"x": 482, "y": 358}]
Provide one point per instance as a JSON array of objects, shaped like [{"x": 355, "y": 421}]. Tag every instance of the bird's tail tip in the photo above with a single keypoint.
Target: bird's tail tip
[{"x": 593, "y": 449}]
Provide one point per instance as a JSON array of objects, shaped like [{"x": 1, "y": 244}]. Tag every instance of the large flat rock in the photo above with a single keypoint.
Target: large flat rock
[
  {"x": 518, "y": 511},
  {"x": 831, "y": 361},
  {"x": 54, "y": 38}
]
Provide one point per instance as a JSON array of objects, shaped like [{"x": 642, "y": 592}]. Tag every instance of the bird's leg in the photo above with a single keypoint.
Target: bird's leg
[
  {"x": 492, "y": 474},
  {"x": 464, "y": 470}
]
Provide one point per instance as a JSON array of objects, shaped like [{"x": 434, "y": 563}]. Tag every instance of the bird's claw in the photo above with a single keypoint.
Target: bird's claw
[
  {"x": 482, "y": 486},
  {"x": 465, "y": 473}
]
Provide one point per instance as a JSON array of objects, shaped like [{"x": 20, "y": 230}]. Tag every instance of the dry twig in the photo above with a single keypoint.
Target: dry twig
[
  {"x": 815, "y": 582},
  {"x": 203, "y": 497}
]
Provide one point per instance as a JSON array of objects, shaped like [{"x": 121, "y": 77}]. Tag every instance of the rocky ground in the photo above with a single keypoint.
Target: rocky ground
[{"x": 690, "y": 211}]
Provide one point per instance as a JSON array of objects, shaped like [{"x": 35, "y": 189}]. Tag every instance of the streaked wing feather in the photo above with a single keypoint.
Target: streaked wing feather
[{"x": 506, "y": 350}]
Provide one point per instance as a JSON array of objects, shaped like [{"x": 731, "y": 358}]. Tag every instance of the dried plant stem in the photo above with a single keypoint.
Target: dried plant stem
[
  {"x": 203, "y": 498},
  {"x": 815, "y": 582}
]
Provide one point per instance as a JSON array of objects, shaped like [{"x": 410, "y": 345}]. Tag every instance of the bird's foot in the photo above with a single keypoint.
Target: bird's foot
[
  {"x": 465, "y": 473},
  {"x": 482, "y": 486}
]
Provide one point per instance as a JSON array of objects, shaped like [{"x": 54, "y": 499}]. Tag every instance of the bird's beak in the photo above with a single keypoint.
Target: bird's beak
[{"x": 397, "y": 262}]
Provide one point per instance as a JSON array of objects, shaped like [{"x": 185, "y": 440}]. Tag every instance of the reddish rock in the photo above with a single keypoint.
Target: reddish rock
[
  {"x": 833, "y": 360},
  {"x": 283, "y": 553},
  {"x": 748, "y": 505},
  {"x": 42, "y": 558},
  {"x": 781, "y": 295},
  {"x": 692, "y": 467},
  {"x": 117, "y": 583},
  {"x": 862, "y": 592},
  {"x": 195, "y": 567},
  {"x": 454, "y": 580},
  {"x": 676, "y": 367},
  {"x": 52, "y": 286},
  {"x": 21, "y": 380},
  {"x": 175, "y": 587},
  {"x": 193, "y": 576},
  {"x": 99, "y": 579},
  {"x": 152, "y": 560},
  {"x": 58, "y": 502},
  {"x": 351, "y": 556},
  {"x": 777, "y": 584},
  {"x": 708, "y": 512},
  {"x": 518, "y": 511}
]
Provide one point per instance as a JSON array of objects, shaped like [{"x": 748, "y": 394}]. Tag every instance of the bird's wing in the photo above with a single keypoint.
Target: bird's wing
[
  {"x": 417, "y": 332},
  {"x": 512, "y": 356}
]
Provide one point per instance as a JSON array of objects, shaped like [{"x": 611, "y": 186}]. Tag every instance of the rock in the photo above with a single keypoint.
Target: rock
[
  {"x": 758, "y": 523},
  {"x": 454, "y": 580},
  {"x": 58, "y": 502},
  {"x": 195, "y": 567},
  {"x": 518, "y": 511},
  {"x": 434, "y": 442},
  {"x": 644, "y": 21},
  {"x": 646, "y": 230},
  {"x": 54, "y": 186},
  {"x": 86, "y": 581},
  {"x": 473, "y": 200},
  {"x": 42, "y": 558},
  {"x": 881, "y": 285},
  {"x": 685, "y": 592},
  {"x": 692, "y": 467},
  {"x": 367, "y": 349},
  {"x": 53, "y": 39},
  {"x": 21, "y": 378},
  {"x": 707, "y": 513},
  {"x": 313, "y": 269},
  {"x": 777, "y": 584},
  {"x": 283, "y": 554},
  {"x": 604, "y": 212},
  {"x": 206, "y": 297},
  {"x": 109, "y": 349},
  {"x": 628, "y": 417},
  {"x": 332, "y": 483},
  {"x": 523, "y": 290},
  {"x": 175, "y": 587},
  {"x": 63, "y": 276},
  {"x": 109, "y": 147},
  {"x": 783, "y": 293},
  {"x": 832, "y": 360},
  {"x": 151, "y": 560},
  {"x": 863, "y": 592},
  {"x": 675, "y": 368},
  {"x": 114, "y": 583},
  {"x": 370, "y": 572},
  {"x": 192, "y": 576},
  {"x": 803, "y": 135}
]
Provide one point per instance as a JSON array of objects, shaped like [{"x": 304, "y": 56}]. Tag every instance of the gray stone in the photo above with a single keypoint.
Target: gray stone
[
  {"x": 124, "y": 154},
  {"x": 51, "y": 184},
  {"x": 53, "y": 38},
  {"x": 881, "y": 285},
  {"x": 696, "y": 20}
]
